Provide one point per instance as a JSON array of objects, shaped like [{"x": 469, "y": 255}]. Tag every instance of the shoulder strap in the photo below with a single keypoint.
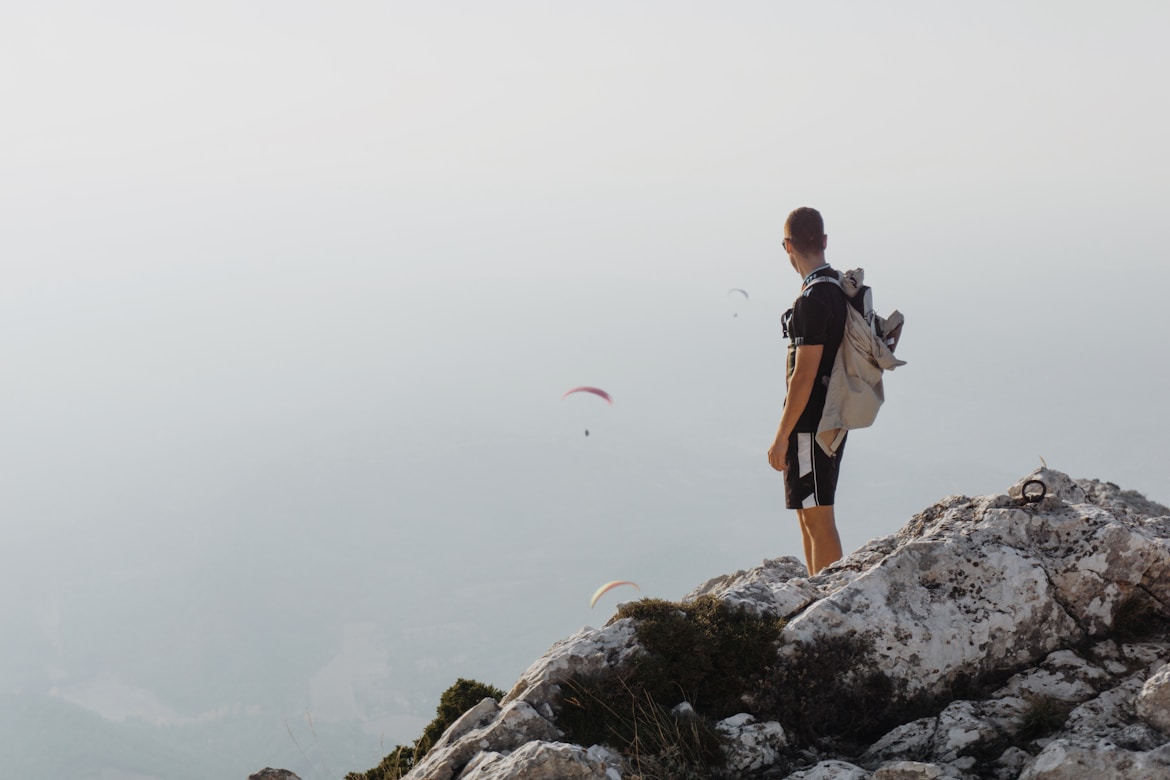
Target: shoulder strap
[{"x": 809, "y": 285}]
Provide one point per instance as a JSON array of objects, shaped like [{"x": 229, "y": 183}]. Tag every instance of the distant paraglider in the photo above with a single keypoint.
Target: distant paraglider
[
  {"x": 597, "y": 391},
  {"x": 737, "y": 290},
  {"x": 610, "y": 586}
]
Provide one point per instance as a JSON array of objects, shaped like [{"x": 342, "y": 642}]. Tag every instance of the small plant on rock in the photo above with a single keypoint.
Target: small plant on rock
[
  {"x": 612, "y": 708},
  {"x": 455, "y": 701},
  {"x": 1044, "y": 715},
  {"x": 1140, "y": 617}
]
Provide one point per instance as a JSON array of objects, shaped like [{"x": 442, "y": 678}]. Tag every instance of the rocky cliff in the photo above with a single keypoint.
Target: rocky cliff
[{"x": 1021, "y": 635}]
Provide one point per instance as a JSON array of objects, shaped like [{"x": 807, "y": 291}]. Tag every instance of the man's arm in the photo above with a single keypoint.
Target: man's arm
[{"x": 804, "y": 374}]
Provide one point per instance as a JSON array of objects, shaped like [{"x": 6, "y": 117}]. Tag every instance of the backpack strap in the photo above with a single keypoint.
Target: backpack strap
[
  {"x": 856, "y": 295},
  {"x": 809, "y": 285}
]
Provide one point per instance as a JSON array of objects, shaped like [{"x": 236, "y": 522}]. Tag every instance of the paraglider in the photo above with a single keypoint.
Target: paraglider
[
  {"x": 597, "y": 391},
  {"x": 610, "y": 586},
  {"x": 742, "y": 292}
]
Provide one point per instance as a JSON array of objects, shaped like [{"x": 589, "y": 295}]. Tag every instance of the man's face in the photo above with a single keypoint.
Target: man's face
[{"x": 787, "y": 244}]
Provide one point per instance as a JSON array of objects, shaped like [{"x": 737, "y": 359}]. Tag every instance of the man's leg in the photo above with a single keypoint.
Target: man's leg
[
  {"x": 806, "y": 539},
  {"x": 811, "y": 477},
  {"x": 822, "y": 543}
]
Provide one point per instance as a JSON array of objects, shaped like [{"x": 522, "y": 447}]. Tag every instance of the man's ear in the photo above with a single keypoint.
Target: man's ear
[{"x": 825, "y": 241}]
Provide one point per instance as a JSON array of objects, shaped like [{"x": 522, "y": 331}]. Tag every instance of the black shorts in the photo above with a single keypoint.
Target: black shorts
[{"x": 810, "y": 475}]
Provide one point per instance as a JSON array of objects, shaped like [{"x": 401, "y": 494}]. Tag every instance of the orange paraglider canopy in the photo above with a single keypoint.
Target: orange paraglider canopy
[
  {"x": 595, "y": 390},
  {"x": 608, "y": 587}
]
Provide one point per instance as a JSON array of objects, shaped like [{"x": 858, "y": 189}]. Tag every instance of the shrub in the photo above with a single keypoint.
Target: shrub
[
  {"x": 703, "y": 652},
  {"x": 1140, "y": 617},
  {"x": 610, "y": 708},
  {"x": 392, "y": 767},
  {"x": 454, "y": 701},
  {"x": 828, "y": 689},
  {"x": 1045, "y": 715}
]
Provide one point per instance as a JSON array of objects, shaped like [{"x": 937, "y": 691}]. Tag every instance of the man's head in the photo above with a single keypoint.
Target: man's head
[{"x": 806, "y": 230}]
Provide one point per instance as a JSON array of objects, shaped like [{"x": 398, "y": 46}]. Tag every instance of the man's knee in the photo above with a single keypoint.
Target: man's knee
[{"x": 817, "y": 517}]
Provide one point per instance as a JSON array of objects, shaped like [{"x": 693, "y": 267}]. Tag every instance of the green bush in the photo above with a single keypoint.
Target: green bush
[
  {"x": 392, "y": 767},
  {"x": 829, "y": 690},
  {"x": 723, "y": 660},
  {"x": 612, "y": 709},
  {"x": 455, "y": 701},
  {"x": 703, "y": 652}
]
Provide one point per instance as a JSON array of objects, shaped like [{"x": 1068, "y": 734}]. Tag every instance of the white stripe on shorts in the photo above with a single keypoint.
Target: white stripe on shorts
[{"x": 804, "y": 454}]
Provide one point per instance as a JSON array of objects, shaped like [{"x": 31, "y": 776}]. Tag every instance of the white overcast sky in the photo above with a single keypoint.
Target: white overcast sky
[{"x": 353, "y": 252}]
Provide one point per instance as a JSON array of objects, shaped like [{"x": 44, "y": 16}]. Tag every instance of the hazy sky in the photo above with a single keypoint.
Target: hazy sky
[{"x": 291, "y": 292}]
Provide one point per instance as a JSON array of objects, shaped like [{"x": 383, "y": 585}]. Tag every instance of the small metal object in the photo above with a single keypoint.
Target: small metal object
[{"x": 1033, "y": 498}]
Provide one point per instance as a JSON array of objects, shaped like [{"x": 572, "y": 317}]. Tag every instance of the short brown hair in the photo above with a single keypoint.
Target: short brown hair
[{"x": 806, "y": 229}]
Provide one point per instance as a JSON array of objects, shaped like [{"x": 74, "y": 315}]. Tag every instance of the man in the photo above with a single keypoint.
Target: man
[{"x": 815, "y": 326}]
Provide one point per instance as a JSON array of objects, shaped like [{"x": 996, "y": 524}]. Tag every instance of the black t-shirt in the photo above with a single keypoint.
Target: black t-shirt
[{"x": 817, "y": 317}]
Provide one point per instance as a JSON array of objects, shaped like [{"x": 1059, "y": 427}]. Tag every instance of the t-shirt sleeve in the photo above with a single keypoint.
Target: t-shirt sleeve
[{"x": 810, "y": 322}]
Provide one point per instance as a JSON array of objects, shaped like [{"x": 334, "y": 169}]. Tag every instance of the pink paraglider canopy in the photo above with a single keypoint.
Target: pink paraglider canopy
[{"x": 595, "y": 390}]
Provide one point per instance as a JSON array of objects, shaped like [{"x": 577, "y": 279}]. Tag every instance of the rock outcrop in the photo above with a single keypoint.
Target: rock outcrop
[
  {"x": 268, "y": 773},
  {"x": 1021, "y": 635}
]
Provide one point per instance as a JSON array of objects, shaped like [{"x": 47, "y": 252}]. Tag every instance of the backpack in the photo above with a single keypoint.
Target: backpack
[{"x": 855, "y": 391}]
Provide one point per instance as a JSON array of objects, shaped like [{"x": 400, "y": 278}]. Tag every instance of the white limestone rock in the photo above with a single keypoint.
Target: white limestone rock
[
  {"x": 1062, "y": 760},
  {"x": 968, "y": 587},
  {"x": 1056, "y": 485},
  {"x": 1100, "y": 705},
  {"x": 911, "y": 742},
  {"x": 1010, "y": 763},
  {"x": 831, "y": 770},
  {"x": 975, "y": 585},
  {"x": 938, "y": 608},
  {"x": 1111, "y": 717},
  {"x": 589, "y": 650},
  {"x": 527, "y": 714},
  {"x": 751, "y": 746},
  {"x": 1153, "y": 702},
  {"x": 1144, "y": 655},
  {"x": 779, "y": 586},
  {"x": 545, "y": 761},
  {"x": 486, "y": 728},
  {"x": 907, "y": 770},
  {"x": 475, "y": 718},
  {"x": 961, "y": 726},
  {"x": 1062, "y": 675},
  {"x": 1124, "y": 503}
]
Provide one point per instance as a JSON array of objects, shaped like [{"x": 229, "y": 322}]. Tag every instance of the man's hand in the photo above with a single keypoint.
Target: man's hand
[
  {"x": 800, "y": 384},
  {"x": 776, "y": 454}
]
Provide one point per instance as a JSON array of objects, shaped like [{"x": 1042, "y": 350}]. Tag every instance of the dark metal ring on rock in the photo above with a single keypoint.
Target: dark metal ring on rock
[{"x": 1033, "y": 498}]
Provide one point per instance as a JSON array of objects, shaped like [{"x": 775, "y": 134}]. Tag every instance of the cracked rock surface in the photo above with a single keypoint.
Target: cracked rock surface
[{"x": 1048, "y": 604}]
